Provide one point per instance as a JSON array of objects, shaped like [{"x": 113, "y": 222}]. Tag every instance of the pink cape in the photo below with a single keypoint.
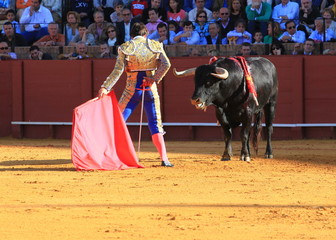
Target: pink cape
[{"x": 100, "y": 138}]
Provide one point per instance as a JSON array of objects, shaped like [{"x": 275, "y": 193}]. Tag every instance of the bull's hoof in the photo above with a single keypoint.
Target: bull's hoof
[
  {"x": 245, "y": 158},
  {"x": 226, "y": 157},
  {"x": 269, "y": 156}
]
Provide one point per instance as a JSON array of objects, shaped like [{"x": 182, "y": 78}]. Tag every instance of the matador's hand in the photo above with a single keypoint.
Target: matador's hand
[
  {"x": 102, "y": 92},
  {"x": 147, "y": 82}
]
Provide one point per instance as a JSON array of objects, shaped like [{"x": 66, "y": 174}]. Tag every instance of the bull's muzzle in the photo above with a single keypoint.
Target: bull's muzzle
[{"x": 198, "y": 104}]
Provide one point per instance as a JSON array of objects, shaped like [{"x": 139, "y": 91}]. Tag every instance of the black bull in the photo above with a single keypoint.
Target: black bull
[{"x": 223, "y": 84}]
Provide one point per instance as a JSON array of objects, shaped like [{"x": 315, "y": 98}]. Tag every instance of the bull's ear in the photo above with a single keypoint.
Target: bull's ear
[
  {"x": 221, "y": 73},
  {"x": 185, "y": 73}
]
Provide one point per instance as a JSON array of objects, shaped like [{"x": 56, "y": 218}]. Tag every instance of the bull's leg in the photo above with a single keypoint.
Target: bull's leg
[
  {"x": 227, "y": 140},
  {"x": 227, "y": 134},
  {"x": 244, "y": 136},
  {"x": 269, "y": 117}
]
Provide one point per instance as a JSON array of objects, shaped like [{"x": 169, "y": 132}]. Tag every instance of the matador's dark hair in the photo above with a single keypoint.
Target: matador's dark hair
[{"x": 138, "y": 29}]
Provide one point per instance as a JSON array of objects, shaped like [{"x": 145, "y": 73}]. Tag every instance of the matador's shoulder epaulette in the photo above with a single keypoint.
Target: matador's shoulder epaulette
[
  {"x": 128, "y": 48},
  {"x": 155, "y": 46}
]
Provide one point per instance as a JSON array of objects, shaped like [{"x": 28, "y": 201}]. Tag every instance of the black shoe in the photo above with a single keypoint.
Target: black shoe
[{"x": 166, "y": 164}]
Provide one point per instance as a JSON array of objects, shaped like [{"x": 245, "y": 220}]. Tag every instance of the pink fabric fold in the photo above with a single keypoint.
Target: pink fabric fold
[{"x": 100, "y": 138}]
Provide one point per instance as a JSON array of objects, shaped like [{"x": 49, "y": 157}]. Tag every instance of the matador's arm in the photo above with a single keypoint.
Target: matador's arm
[{"x": 114, "y": 76}]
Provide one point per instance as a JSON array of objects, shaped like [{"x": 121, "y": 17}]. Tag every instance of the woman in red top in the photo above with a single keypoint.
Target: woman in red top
[{"x": 175, "y": 12}]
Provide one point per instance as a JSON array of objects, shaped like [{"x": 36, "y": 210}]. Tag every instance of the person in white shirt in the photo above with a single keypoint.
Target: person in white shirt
[
  {"x": 318, "y": 35},
  {"x": 35, "y": 20},
  {"x": 162, "y": 34},
  {"x": 188, "y": 36},
  {"x": 291, "y": 34},
  {"x": 54, "y": 7},
  {"x": 286, "y": 11}
]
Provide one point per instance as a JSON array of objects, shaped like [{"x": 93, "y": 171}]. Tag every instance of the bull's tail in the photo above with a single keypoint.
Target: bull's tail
[{"x": 256, "y": 131}]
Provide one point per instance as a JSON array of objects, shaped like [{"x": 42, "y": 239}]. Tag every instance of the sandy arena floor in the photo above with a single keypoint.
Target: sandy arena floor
[{"x": 290, "y": 197}]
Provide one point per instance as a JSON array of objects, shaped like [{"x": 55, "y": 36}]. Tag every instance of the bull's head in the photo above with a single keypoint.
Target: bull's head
[{"x": 205, "y": 77}]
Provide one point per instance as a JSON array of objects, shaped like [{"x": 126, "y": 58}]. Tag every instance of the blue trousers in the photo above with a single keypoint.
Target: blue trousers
[{"x": 149, "y": 106}]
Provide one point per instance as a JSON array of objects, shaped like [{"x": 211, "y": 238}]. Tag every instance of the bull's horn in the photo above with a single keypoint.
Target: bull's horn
[
  {"x": 185, "y": 73},
  {"x": 221, "y": 73}
]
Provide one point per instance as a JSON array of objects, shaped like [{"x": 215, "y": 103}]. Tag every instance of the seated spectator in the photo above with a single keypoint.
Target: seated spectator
[
  {"x": 53, "y": 39},
  {"x": 308, "y": 48},
  {"x": 187, "y": 36},
  {"x": 328, "y": 16},
  {"x": 333, "y": 7},
  {"x": 329, "y": 52},
  {"x": 277, "y": 48},
  {"x": 82, "y": 36},
  {"x": 215, "y": 15},
  {"x": 220, "y": 3},
  {"x": 273, "y": 32},
  {"x": 318, "y": 35},
  {"x": 157, "y": 5},
  {"x": 237, "y": 11},
  {"x": 98, "y": 28},
  {"x": 71, "y": 27},
  {"x": 188, "y": 5},
  {"x": 35, "y": 20},
  {"x": 111, "y": 36},
  {"x": 153, "y": 20},
  {"x": 258, "y": 14},
  {"x": 5, "y": 54},
  {"x": 162, "y": 34},
  {"x": 21, "y": 5},
  {"x": 84, "y": 8},
  {"x": 13, "y": 39},
  {"x": 258, "y": 37},
  {"x": 116, "y": 16},
  {"x": 214, "y": 36},
  {"x": 105, "y": 7},
  {"x": 10, "y": 16},
  {"x": 307, "y": 14},
  {"x": 36, "y": 54},
  {"x": 226, "y": 24},
  {"x": 124, "y": 27},
  {"x": 199, "y": 6},
  {"x": 5, "y": 5},
  {"x": 173, "y": 26},
  {"x": 193, "y": 52},
  {"x": 246, "y": 50},
  {"x": 202, "y": 26},
  {"x": 285, "y": 11},
  {"x": 175, "y": 12},
  {"x": 79, "y": 53},
  {"x": 239, "y": 35},
  {"x": 213, "y": 53},
  {"x": 291, "y": 34},
  {"x": 137, "y": 8},
  {"x": 54, "y": 7},
  {"x": 105, "y": 51}
]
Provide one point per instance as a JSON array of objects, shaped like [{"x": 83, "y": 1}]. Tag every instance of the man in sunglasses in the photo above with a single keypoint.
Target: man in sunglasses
[
  {"x": 5, "y": 54},
  {"x": 291, "y": 35},
  {"x": 225, "y": 24}
]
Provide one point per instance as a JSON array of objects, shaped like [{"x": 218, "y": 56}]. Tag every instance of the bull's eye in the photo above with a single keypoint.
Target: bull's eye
[{"x": 207, "y": 83}]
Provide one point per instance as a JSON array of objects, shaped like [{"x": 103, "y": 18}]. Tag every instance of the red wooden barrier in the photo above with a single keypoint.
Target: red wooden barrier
[{"x": 47, "y": 91}]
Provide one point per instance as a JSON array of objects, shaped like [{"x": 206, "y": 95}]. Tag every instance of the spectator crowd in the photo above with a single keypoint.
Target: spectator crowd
[{"x": 107, "y": 23}]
